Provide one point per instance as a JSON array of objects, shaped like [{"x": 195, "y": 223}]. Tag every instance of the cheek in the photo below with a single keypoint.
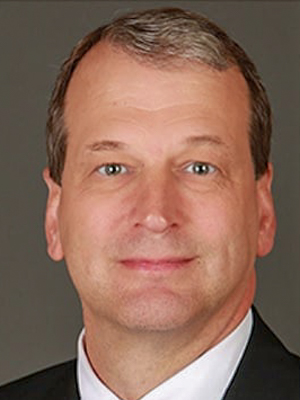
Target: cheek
[
  {"x": 91, "y": 220},
  {"x": 211, "y": 216},
  {"x": 88, "y": 225},
  {"x": 226, "y": 220}
]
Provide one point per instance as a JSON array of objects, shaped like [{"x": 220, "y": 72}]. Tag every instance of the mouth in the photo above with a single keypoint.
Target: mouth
[{"x": 157, "y": 265}]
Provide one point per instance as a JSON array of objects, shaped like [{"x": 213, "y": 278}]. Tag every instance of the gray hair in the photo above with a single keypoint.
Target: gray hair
[{"x": 166, "y": 38}]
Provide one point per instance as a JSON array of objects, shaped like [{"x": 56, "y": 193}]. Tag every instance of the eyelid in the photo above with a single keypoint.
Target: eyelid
[
  {"x": 105, "y": 165},
  {"x": 212, "y": 168},
  {"x": 125, "y": 169}
]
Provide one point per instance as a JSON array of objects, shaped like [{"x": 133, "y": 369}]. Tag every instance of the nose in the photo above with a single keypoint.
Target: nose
[
  {"x": 155, "y": 222},
  {"x": 158, "y": 206}
]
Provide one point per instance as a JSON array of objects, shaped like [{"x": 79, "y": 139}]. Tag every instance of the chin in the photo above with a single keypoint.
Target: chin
[{"x": 154, "y": 312}]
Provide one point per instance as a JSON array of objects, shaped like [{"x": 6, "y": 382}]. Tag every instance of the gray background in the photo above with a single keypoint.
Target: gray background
[{"x": 39, "y": 310}]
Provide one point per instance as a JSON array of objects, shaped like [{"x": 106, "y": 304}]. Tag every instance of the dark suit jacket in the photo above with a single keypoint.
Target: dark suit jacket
[{"x": 267, "y": 372}]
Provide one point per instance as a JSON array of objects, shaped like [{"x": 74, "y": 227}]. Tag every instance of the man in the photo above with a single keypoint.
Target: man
[{"x": 160, "y": 201}]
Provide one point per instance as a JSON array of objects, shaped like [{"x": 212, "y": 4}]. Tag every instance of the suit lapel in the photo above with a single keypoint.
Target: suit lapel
[
  {"x": 66, "y": 386},
  {"x": 267, "y": 371}
]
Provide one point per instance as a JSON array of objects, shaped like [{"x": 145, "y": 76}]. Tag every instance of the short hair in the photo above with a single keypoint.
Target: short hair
[{"x": 164, "y": 37}]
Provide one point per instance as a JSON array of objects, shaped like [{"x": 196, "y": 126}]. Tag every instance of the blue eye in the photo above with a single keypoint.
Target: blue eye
[
  {"x": 112, "y": 169},
  {"x": 200, "y": 168}
]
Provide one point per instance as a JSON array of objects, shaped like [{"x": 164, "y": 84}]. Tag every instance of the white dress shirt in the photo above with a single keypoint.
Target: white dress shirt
[{"x": 205, "y": 378}]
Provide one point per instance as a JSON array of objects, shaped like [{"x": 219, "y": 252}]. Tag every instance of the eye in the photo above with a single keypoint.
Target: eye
[
  {"x": 200, "y": 168},
  {"x": 112, "y": 169}
]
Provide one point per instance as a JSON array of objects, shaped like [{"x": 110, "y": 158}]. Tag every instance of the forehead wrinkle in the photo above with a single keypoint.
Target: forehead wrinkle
[
  {"x": 128, "y": 103},
  {"x": 118, "y": 145}
]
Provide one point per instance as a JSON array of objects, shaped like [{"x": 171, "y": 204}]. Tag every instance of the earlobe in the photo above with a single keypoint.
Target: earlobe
[
  {"x": 54, "y": 246},
  {"x": 266, "y": 213}
]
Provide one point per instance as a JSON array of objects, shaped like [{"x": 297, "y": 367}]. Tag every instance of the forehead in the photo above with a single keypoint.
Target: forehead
[{"x": 109, "y": 83}]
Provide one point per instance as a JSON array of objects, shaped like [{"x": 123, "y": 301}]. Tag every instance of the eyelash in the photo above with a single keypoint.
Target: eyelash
[
  {"x": 210, "y": 169},
  {"x": 106, "y": 167},
  {"x": 109, "y": 169}
]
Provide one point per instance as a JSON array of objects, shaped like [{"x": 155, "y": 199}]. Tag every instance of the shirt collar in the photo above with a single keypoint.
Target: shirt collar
[{"x": 207, "y": 377}]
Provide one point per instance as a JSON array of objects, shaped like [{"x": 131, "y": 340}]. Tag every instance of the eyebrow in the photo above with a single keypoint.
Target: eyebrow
[
  {"x": 109, "y": 145},
  {"x": 204, "y": 139},
  {"x": 106, "y": 145}
]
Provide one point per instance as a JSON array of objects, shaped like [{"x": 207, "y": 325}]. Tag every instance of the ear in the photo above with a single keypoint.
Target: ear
[
  {"x": 51, "y": 219},
  {"x": 266, "y": 213}
]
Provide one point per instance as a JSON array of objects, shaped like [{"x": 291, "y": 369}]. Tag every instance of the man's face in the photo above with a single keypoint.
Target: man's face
[{"x": 159, "y": 215}]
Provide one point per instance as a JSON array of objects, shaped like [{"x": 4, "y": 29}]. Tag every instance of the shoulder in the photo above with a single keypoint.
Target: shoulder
[
  {"x": 59, "y": 380},
  {"x": 268, "y": 347},
  {"x": 268, "y": 370}
]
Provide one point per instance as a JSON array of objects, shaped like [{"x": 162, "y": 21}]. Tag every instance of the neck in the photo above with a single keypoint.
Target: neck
[{"x": 132, "y": 363}]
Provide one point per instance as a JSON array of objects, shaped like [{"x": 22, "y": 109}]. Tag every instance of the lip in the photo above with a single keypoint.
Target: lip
[{"x": 157, "y": 265}]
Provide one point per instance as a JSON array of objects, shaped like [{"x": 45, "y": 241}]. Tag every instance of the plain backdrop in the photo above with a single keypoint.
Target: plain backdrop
[{"x": 39, "y": 310}]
